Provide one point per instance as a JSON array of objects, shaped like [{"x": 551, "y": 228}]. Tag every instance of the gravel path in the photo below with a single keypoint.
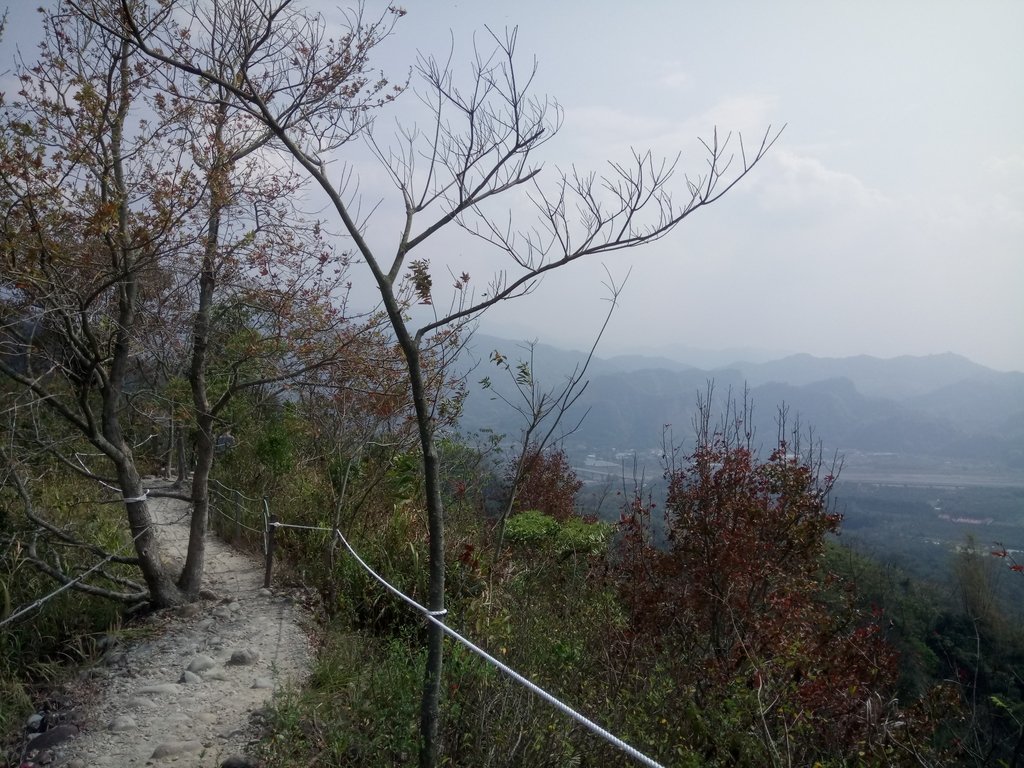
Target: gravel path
[{"x": 185, "y": 695}]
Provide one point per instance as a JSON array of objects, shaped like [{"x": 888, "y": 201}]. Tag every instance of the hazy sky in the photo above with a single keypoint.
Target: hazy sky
[{"x": 888, "y": 219}]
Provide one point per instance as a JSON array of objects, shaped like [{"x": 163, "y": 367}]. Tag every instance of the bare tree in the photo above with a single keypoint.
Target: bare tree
[
  {"x": 480, "y": 145},
  {"x": 542, "y": 410}
]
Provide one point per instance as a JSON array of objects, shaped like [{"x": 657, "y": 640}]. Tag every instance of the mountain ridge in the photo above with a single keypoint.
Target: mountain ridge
[{"x": 942, "y": 405}]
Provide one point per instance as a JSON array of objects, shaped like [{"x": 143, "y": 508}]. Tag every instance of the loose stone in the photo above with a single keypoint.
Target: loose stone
[
  {"x": 243, "y": 657},
  {"x": 159, "y": 688},
  {"x": 122, "y": 723},
  {"x": 201, "y": 663},
  {"x": 174, "y": 748},
  {"x": 54, "y": 736}
]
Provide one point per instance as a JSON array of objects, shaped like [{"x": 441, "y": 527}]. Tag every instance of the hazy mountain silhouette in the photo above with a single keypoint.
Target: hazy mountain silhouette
[
  {"x": 937, "y": 405},
  {"x": 897, "y": 377}
]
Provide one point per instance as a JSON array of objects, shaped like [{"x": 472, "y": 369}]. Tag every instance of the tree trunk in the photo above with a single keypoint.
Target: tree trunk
[
  {"x": 127, "y": 255},
  {"x": 162, "y": 590},
  {"x": 182, "y": 461},
  {"x": 169, "y": 466},
  {"x": 430, "y": 701},
  {"x": 192, "y": 574}
]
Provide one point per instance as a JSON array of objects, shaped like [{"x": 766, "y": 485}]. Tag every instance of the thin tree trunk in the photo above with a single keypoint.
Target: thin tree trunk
[
  {"x": 192, "y": 574},
  {"x": 162, "y": 590},
  {"x": 182, "y": 461},
  {"x": 169, "y": 466},
  {"x": 125, "y": 256},
  {"x": 430, "y": 702}
]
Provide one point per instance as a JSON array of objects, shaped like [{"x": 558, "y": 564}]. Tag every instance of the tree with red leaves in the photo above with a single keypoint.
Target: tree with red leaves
[
  {"x": 740, "y": 604},
  {"x": 548, "y": 483}
]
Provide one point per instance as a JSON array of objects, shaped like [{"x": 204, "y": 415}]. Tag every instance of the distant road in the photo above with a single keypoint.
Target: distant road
[
  {"x": 904, "y": 477},
  {"x": 929, "y": 479}
]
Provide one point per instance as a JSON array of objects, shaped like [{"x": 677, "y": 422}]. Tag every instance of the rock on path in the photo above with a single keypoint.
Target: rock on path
[{"x": 185, "y": 695}]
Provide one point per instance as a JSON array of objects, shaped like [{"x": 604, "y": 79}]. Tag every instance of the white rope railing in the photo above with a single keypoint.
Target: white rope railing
[
  {"x": 431, "y": 616},
  {"x": 214, "y": 481},
  {"x": 435, "y": 618},
  {"x": 225, "y": 498}
]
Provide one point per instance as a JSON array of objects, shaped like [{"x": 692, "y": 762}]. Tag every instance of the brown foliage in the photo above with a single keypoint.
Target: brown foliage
[
  {"x": 738, "y": 600},
  {"x": 548, "y": 483}
]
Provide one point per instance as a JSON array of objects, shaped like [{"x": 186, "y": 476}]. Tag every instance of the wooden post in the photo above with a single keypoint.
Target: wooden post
[
  {"x": 238, "y": 517},
  {"x": 270, "y": 551},
  {"x": 170, "y": 452}
]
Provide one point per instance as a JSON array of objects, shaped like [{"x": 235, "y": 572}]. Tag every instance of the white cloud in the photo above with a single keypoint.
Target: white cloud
[
  {"x": 798, "y": 182},
  {"x": 602, "y": 133},
  {"x": 749, "y": 114},
  {"x": 675, "y": 77},
  {"x": 1010, "y": 165}
]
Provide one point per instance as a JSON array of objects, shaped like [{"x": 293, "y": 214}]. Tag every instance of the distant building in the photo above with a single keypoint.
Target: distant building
[{"x": 596, "y": 463}]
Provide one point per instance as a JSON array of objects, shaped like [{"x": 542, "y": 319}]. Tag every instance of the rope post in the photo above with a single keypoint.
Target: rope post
[
  {"x": 168, "y": 468},
  {"x": 238, "y": 517},
  {"x": 271, "y": 527}
]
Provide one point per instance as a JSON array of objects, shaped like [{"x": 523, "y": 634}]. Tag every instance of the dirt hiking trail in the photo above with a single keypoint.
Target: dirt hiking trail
[{"x": 186, "y": 694}]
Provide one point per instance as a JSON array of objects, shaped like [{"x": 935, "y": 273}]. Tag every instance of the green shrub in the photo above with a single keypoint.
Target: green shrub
[
  {"x": 532, "y": 527},
  {"x": 361, "y": 706},
  {"x": 578, "y": 536}
]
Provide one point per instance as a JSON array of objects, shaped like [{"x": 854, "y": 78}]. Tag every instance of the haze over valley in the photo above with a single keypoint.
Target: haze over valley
[
  {"x": 932, "y": 447},
  {"x": 938, "y": 415}
]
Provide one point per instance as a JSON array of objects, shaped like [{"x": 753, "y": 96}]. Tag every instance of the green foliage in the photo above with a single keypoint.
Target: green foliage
[
  {"x": 579, "y": 536},
  {"x": 35, "y": 650},
  {"x": 532, "y": 527},
  {"x": 536, "y": 529},
  {"x": 15, "y": 703},
  {"x": 275, "y": 444},
  {"x": 365, "y": 693},
  {"x": 910, "y": 607}
]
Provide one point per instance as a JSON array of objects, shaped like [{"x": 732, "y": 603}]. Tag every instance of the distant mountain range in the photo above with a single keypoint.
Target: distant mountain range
[{"x": 943, "y": 406}]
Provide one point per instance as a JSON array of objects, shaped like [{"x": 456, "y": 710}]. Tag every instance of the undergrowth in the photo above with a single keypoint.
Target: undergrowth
[{"x": 42, "y": 647}]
